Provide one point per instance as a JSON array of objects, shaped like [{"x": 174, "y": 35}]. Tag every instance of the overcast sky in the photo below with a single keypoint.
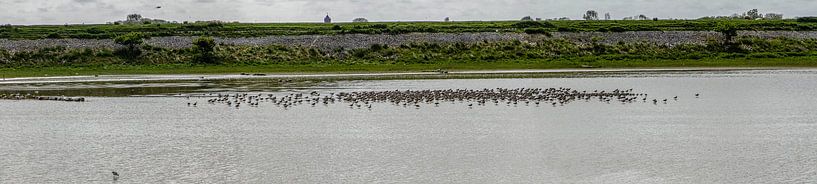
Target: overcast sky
[{"x": 101, "y": 11}]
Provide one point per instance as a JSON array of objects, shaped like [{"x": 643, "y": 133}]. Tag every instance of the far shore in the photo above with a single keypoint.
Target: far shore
[
  {"x": 364, "y": 75},
  {"x": 506, "y": 68}
]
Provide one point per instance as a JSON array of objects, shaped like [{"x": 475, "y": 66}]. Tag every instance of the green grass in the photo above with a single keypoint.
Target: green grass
[
  {"x": 797, "y": 62},
  {"x": 265, "y": 29}
]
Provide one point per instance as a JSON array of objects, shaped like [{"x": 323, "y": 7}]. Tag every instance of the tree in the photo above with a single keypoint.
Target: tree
[
  {"x": 753, "y": 14},
  {"x": 607, "y": 16},
  {"x": 729, "y": 31},
  {"x": 447, "y": 19},
  {"x": 643, "y": 17},
  {"x": 527, "y": 18},
  {"x": 131, "y": 41},
  {"x": 205, "y": 50},
  {"x": 134, "y": 18},
  {"x": 360, "y": 20},
  {"x": 591, "y": 15}
]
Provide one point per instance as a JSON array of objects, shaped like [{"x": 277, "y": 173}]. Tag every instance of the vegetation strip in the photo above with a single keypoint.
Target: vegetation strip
[{"x": 222, "y": 29}]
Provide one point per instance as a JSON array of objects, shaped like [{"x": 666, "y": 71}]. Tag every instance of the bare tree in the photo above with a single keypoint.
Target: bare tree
[{"x": 591, "y": 15}]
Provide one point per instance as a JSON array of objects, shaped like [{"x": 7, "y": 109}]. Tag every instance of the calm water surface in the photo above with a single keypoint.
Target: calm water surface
[{"x": 747, "y": 127}]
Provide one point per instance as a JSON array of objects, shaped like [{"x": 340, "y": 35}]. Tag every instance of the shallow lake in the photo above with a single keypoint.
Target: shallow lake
[{"x": 756, "y": 126}]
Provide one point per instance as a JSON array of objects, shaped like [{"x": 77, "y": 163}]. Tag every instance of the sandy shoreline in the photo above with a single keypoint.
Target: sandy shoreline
[{"x": 188, "y": 77}]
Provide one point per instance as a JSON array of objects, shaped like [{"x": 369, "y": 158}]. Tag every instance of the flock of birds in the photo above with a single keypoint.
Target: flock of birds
[
  {"x": 433, "y": 98},
  {"x": 410, "y": 98},
  {"x": 18, "y": 96}
]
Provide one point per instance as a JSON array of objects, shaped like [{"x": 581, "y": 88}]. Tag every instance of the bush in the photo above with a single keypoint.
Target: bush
[
  {"x": 567, "y": 29},
  {"x": 131, "y": 41},
  {"x": 536, "y": 31},
  {"x": 205, "y": 50},
  {"x": 807, "y": 19},
  {"x": 379, "y": 26},
  {"x": 532, "y": 24},
  {"x": 53, "y": 36},
  {"x": 617, "y": 29}
]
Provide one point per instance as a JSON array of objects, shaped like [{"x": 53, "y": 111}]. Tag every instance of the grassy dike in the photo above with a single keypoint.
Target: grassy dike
[
  {"x": 208, "y": 57},
  {"x": 222, "y": 29},
  {"x": 787, "y": 62}
]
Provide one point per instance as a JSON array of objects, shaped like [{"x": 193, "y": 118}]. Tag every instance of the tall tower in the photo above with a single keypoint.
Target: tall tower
[{"x": 327, "y": 19}]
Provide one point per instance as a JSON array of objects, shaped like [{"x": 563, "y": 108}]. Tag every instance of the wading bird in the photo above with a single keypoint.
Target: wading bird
[{"x": 115, "y": 175}]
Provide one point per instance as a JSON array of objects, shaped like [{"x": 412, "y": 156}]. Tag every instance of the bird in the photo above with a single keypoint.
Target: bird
[
  {"x": 158, "y": 7},
  {"x": 115, "y": 175}
]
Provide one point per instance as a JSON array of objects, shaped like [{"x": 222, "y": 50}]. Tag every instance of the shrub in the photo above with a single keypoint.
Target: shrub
[
  {"x": 617, "y": 29},
  {"x": 532, "y": 24},
  {"x": 567, "y": 29},
  {"x": 807, "y": 19},
  {"x": 205, "y": 50},
  {"x": 536, "y": 31},
  {"x": 131, "y": 41},
  {"x": 379, "y": 26},
  {"x": 53, "y": 36}
]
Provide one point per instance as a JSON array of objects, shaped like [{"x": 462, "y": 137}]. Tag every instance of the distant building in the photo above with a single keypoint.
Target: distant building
[{"x": 327, "y": 19}]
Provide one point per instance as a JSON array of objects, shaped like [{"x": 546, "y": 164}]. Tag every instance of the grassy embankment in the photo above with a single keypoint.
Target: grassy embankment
[
  {"x": 266, "y": 29},
  {"x": 543, "y": 54}
]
